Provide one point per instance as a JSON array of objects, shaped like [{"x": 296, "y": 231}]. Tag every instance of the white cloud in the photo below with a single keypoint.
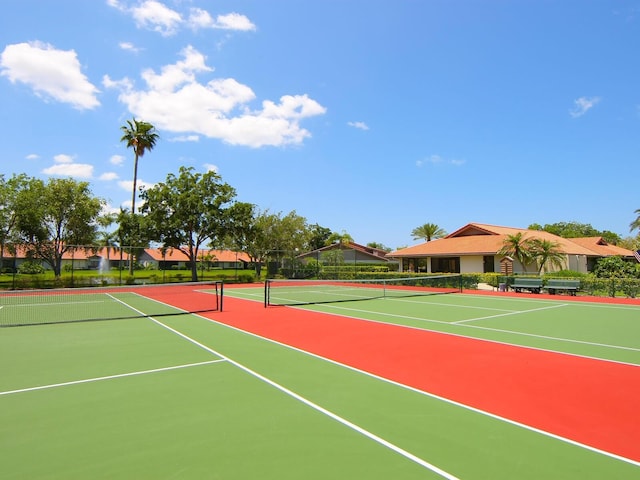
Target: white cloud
[
  {"x": 359, "y": 125},
  {"x": 127, "y": 185},
  {"x": 199, "y": 18},
  {"x": 582, "y": 105},
  {"x": 107, "y": 208},
  {"x": 157, "y": 17},
  {"x": 32, "y": 156},
  {"x": 116, "y": 160},
  {"x": 129, "y": 47},
  {"x": 211, "y": 167},
  {"x": 51, "y": 73},
  {"x": 174, "y": 101},
  {"x": 234, "y": 21},
  {"x": 63, "y": 158},
  {"x": 109, "y": 176},
  {"x": 185, "y": 138},
  {"x": 439, "y": 160},
  {"x": 65, "y": 166}
]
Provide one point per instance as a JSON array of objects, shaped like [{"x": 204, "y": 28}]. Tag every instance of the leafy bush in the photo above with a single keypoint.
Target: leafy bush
[
  {"x": 614, "y": 267},
  {"x": 30, "y": 268},
  {"x": 246, "y": 278},
  {"x": 491, "y": 278},
  {"x": 570, "y": 274}
]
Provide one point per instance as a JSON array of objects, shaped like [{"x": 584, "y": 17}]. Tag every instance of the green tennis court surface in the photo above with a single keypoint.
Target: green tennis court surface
[{"x": 170, "y": 394}]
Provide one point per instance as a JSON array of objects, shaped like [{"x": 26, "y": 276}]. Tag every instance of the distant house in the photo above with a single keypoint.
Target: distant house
[
  {"x": 474, "y": 249},
  {"x": 107, "y": 258},
  {"x": 85, "y": 258},
  {"x": 166, "y": 259},
  {"x": 352, "y": 253}
]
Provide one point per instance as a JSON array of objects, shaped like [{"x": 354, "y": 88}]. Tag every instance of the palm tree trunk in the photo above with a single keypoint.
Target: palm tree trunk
[{"x": 133, "y": 209}]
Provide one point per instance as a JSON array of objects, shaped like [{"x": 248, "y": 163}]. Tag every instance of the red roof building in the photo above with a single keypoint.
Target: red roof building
[{"x": 474, "y": 249}]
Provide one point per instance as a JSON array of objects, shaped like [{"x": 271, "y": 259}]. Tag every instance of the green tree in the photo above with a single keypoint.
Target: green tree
[
  {"x": 517, "y": 246},
  {"x": 342, "y": 238},
  {"x": 242, "y": 232},
  {"x": 188, "y": 210},
  {"x": 131, "y": 234},
  {"x": 277, "y": 237},
  {"x": 318, "y": 237},
  {"x": 576, "y": 230},
  {"x": 630, "y": 243},
  {"x": 9, "y": 192},
  {"x": 379, "y": 246},
  {"x": 614, "y": 267},
  {"x": 140, "y": 137},
  {"x": 428, "y": 232},
  {"x": 545, "y": 252},
  {"x": 635, "y": 225},
  {"x": 57, "y": 217}
]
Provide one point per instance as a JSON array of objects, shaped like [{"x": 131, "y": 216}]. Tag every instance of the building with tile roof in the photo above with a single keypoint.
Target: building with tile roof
[
  {"x": 352, "y": 253},
  {"x": 474, "y": 248},
  {"x": 106, "y": 258},
  {"x": 165, "y": 259}
]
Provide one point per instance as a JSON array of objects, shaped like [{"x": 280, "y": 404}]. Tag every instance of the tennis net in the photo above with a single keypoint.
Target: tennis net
[
  {"x": 42, "y": 307},
  {"x": 306, "y": 292}
]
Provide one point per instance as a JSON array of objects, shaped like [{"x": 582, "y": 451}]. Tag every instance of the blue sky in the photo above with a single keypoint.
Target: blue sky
[{"x": 369, "y": 117}]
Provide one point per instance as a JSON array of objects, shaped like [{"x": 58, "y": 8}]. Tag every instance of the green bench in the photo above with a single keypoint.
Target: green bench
[
  {"x": 570, "y": 286},
  {"x": 534, "y": 285}
]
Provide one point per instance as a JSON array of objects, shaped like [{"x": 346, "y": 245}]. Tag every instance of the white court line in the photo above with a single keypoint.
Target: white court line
[
  {"x": 475, "y": 307},
  {"x": 499, "y": 330},
  {"x": 416, "y": 390},
  {"x": 368, "y": 434},
  {"x": 518, "y": 312},
  {"x": 55, "y": 304},
  {"x": 108, "y": 377},
  {"x": 401, "y": 385},
  {"x": 309, "y": 403}
]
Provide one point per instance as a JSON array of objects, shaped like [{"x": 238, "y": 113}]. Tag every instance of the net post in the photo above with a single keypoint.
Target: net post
[
  {"x": 221, "y": 294},
  {"x": 266, "y": 293}
]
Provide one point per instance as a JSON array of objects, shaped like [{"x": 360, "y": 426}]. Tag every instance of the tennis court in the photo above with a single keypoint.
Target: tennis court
[{"x": 438, "y": 386}]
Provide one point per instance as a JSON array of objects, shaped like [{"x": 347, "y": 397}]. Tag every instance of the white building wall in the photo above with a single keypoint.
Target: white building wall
[
  {"x": 577, "y": 263},
  {"x": 471, "y": 264}
]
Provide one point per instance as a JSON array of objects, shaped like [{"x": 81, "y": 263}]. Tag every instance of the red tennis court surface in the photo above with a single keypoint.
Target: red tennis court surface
[{"x": 590, "y": 401}]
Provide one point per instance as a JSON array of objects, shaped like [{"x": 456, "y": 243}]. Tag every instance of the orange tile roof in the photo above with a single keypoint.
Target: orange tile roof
[
  {"x": 602, "y": 247},
  {"x": 229, "y": 256},
  {"x": 76, "y": 254},
  {"x": 483, "y": 239},
  {"x": 175, "y": 255}
]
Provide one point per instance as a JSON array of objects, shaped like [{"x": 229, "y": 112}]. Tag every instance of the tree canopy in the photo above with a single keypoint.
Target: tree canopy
[
  {"x": 518, "y": 247},
  {"x": 188, "y": 210},
  {"x": 56, "y": 217},
  {"x": 576, "y": 230},
  {"x": 428, "y": 232}
]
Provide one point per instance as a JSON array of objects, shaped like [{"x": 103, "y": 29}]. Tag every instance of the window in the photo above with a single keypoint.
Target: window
[
  {"x": 445, "y": 265},
  {"x": 489, "y": 264}
]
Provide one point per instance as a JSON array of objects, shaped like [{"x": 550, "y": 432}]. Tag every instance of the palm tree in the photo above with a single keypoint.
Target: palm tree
[
  {"x": 427, "y": 232},
  {"x": 518, "y": 247},
  {"x": 636, "y": 223},
  {"x": 546, "y": 251},
  {"x": 139, "y": 136},
  {"x": 342, "y": 238}
]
